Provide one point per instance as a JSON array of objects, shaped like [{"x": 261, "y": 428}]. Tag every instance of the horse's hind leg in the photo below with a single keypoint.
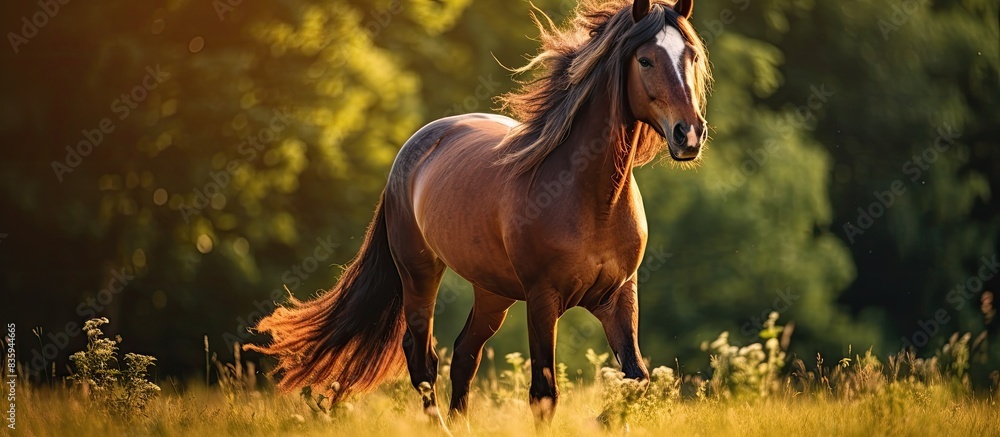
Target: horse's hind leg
[
  {"x": 488, "y": 313},
  {"x": 419, "y": 296},
  {"x": 421, "y": 272}
]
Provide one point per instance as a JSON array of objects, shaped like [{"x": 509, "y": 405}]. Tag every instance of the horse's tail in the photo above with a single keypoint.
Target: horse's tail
[{"x": 352, "y": 334}]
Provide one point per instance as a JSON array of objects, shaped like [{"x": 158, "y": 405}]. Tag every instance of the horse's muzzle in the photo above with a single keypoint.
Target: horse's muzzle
[{"x": 684, "y": 142}]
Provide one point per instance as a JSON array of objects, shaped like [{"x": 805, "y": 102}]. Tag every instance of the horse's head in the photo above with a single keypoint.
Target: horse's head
[{"x": 666, "y": 77}]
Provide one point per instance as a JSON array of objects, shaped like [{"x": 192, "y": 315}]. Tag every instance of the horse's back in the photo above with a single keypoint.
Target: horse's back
[
  {"x": 477, "y": 130},
  {"x": 447, "y": 180},
  {"x": 452, "y": 154}
]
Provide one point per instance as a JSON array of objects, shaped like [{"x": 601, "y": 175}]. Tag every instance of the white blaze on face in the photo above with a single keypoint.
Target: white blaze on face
[{"x": 673, "y": 42}]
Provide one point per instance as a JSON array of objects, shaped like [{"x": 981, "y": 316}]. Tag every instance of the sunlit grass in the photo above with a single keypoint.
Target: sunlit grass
[
  {"x": 749, "y": 394},
  {"x": 206, "y": 411}
]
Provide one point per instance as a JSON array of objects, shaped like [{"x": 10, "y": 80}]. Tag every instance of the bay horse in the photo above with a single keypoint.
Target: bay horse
[{"x": 544, "y": 210}]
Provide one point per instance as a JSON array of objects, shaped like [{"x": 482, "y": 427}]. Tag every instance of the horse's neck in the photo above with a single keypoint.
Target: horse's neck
[{"x": 607, "y": 175}]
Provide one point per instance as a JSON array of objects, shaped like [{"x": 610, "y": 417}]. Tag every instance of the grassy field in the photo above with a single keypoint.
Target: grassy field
[
  {"x": 905, "y": 410},
  {"x": 752, "y": 392}
]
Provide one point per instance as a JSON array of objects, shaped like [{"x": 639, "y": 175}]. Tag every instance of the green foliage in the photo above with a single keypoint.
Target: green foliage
[
  {"x": 517, "y": 378},
  {"x": 629, "y": 401},
  {"x": 748, "y": 371},
  {"x": 597, "y": 361},
  {"x": 955, "y": 355},
  {"x": 125, "y": 392},
  {"x": 902, "y": 375},
  {"x": 237, "y": 380},
  {"x": 562, "y": 377},
  {"x": 758, "y": 227}
]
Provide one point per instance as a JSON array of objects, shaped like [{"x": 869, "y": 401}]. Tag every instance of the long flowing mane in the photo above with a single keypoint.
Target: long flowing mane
[{"x": 574, "y": 64}]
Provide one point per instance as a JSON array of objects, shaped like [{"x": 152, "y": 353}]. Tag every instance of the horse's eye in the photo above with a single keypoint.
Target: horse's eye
[{"x": 645, "y": 63}]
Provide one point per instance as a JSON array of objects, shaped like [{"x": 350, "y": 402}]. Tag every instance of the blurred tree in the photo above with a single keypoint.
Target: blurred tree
[
  {"x": 251, "y": 160},
  {"x": 914, "y": 130}
]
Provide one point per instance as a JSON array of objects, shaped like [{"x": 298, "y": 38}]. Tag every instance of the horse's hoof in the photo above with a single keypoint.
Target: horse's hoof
[
  {"x": 543, "y": 409},
  {"x": 436, "y": 420},
  {"x": 426, "y": 391}
]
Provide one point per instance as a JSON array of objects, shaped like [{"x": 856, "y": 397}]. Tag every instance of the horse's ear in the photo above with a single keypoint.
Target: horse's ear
[
  {"x": 639, "y": 10},
  {"x": 684, "y": 8}
]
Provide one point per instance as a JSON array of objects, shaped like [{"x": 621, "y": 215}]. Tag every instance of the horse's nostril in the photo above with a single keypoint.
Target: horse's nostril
[{"x": 680, "y": 133}]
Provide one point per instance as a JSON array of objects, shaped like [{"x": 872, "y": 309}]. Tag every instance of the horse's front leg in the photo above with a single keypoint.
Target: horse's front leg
[
  {"x": 620, "y": 318},
  {"x": 487, "y": 315},
  {"x": 544, "y": 309}
]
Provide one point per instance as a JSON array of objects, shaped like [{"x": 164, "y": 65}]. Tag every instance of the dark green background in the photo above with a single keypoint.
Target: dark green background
[{"x": 819, "y": 109}]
